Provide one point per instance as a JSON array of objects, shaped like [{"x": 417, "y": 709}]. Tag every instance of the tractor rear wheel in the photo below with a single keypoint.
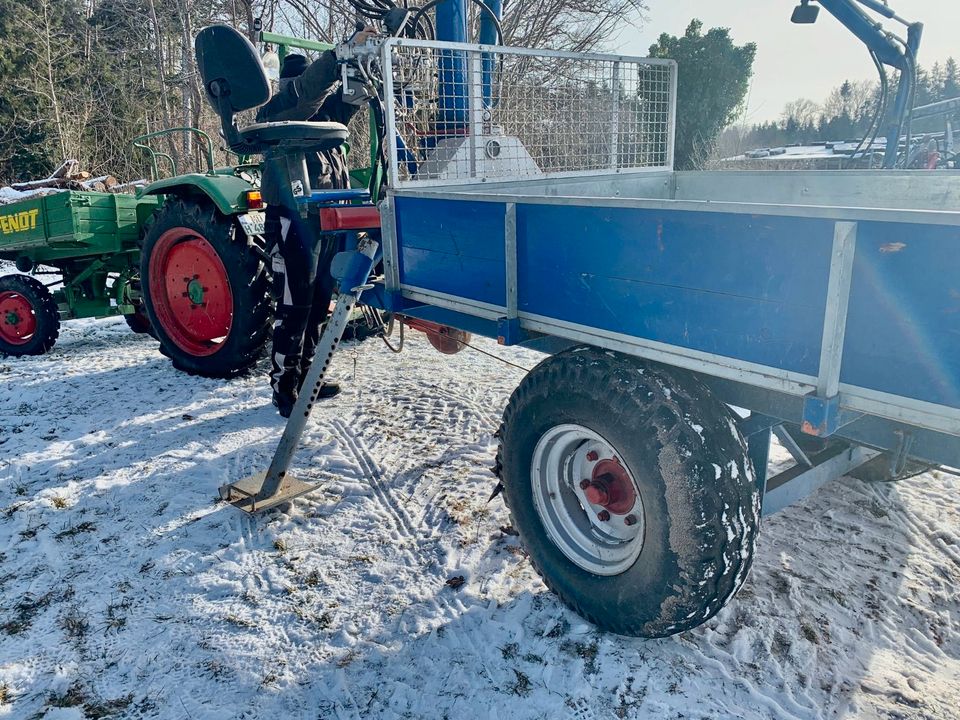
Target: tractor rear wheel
[
  {"x": 631, "y": 489},
  {"x": 205, "y": 289},
  {"x": 29, "y": 320}
]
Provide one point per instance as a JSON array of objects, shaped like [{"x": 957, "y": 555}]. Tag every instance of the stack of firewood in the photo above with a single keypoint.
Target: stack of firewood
[{"x": 69, "y": 176}]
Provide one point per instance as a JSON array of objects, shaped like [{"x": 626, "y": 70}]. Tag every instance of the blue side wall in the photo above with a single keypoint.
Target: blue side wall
[
  {"x": 747, "y": 287},
  {"x": 903, "y": 329}
]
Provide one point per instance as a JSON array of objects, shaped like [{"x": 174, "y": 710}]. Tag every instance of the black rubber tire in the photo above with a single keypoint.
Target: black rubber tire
[
  {"x": 673, "y": 435},
  {"x": 249, "y": 278},
  {"x": 139, "y": 321},
  {"x": 45, "y": 309}
]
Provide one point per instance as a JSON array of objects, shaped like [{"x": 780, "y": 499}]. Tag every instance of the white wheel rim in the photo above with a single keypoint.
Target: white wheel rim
[{"x": 565, "y": 456}]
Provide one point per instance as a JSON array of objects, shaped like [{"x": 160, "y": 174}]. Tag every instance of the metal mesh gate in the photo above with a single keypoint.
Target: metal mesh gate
[{"x": 471, "y": 113}]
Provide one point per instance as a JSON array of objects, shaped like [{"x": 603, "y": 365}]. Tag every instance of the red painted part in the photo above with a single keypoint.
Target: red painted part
[
  {"x": 611, "y": 488},
  {"x": 444, "y": 339},
  {"x": 346, "y": 217},
  {"x": 18, "y": 320},
  {"x": 183, "y": 261}
]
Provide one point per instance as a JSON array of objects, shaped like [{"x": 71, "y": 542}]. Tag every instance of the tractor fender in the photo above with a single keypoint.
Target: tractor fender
[{"x": 227, "y": 192}]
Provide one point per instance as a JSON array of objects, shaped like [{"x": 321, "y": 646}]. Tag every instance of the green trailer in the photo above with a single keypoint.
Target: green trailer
[{"x": 91, "y": 239}]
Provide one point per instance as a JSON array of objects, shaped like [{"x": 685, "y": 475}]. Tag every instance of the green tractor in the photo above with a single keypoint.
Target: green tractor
[{"x": 184, "y": 260}]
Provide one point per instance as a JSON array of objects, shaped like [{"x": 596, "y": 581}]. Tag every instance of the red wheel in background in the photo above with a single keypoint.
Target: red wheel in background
[
  {"x": 18, "y": 320},
  {"x": 29, "y": 320}
]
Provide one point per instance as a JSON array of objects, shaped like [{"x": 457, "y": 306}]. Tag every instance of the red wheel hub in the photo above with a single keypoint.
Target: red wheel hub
[
  {"x": 190, "y": 292},
  {"x": 18, "y": 321},
  {"x": 611, "y": 488}
]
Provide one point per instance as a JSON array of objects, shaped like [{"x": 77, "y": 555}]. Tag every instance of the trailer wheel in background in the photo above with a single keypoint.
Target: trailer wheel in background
[
  {"x": 29, "y": 319},
  {"x": 632, "y": 491},
  {"x": 139, "y": 321},
  {"x": 206, "y": 291}
]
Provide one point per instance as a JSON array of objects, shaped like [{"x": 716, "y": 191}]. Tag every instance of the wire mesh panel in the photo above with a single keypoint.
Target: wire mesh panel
[{"x": 471, "y": 113}]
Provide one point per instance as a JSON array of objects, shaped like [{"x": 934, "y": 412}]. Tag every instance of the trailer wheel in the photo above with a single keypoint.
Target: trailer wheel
[
  {"x": 206, "y": 291},
  {"x": 29, "y": 320},
  {"x": 139, "y": 323},
  {"x": 632, "y": 491}
]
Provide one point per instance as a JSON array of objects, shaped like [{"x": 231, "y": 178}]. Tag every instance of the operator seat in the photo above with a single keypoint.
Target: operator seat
[{"x": 235, "y": 81}]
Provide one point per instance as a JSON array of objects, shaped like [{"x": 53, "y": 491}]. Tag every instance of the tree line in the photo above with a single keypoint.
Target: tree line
[
  {"x": 848, "y": 110},
  {"x": 82, "y": 78}
]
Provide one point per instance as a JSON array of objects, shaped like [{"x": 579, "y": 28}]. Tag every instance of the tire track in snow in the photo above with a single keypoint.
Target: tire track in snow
[{"x": 404, "y": 525}]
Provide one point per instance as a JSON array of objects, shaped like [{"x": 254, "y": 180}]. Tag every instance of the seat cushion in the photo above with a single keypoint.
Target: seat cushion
[{"x": 293, "y": 137}]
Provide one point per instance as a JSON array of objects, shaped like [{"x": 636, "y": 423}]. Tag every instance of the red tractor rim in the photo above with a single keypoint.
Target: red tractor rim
[
  {"x": 190, "y": 292},
  {"x": 18, "y": 319}
]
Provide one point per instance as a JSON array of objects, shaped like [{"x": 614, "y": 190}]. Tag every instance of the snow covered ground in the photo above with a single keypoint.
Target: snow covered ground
[{"x": 127, "y": 590}]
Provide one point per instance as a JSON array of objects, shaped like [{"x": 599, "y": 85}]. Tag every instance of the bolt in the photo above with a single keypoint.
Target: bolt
[
  {"x": 603, "y": 516},
  {"x": 592, "y": 456},
  {"x": 584, "y": 484},
  {"x": 630, "y": 520}
]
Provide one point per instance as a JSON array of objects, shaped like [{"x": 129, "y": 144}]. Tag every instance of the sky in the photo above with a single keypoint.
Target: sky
[{"x": 795, "y": 61}]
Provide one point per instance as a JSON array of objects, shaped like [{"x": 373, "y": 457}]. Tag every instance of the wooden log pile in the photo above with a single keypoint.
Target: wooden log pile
[{"x": 68, "y": 176}]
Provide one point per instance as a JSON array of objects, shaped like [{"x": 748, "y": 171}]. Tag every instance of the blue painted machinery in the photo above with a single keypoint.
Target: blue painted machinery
[{"x": 688, "y": 318}]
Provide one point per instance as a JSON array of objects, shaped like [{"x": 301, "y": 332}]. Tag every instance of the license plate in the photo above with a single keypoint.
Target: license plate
[{"x": 253, "y": 223}]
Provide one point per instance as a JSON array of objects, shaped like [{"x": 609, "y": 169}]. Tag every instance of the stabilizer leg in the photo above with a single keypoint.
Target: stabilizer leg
[{"x": 275, "y": 486}]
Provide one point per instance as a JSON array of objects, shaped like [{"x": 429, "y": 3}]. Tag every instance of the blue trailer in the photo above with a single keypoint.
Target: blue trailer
[{"x": 690, "y": 317}]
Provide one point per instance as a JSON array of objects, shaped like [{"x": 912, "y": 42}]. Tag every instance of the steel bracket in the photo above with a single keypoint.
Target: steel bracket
[
  {"x": 822, "y": 417},
  {"x": 509, "y": 331}
]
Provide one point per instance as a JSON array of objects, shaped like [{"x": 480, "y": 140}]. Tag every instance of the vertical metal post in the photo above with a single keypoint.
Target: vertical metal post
[
  {"x": 838, "y": 303},
  {"x": 386, "y": 62},
  {"x": 670, "y": 160},
  {"x": 476, "y": 105},
  {"x": 388, "y": 232},
  {"x": 615, "y": 119},
  {"x": 510, "y": 250}
]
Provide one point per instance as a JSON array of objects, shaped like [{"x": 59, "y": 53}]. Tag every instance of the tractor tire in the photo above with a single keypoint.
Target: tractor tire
[
  {"x": 632, "y": 491},
  {"x": 206, "y": 290},
  {"x": 29, "y": 319}
]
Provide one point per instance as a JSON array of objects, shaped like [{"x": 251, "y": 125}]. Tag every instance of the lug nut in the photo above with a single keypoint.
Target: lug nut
[
  {"x": 592, "y": 456},
  {"x": 584, "y": 484},
  {"x": 603, "y": 516},
  {"x": 630, "y": 520}
]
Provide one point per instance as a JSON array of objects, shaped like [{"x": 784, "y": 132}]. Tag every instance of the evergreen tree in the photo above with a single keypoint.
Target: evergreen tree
[{"x": 714, "y": 76}]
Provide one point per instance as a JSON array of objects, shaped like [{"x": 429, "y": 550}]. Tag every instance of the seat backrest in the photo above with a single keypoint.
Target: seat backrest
[
  {"x": 233, "y": 76},
  {"x": 231, "y": 69}
]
